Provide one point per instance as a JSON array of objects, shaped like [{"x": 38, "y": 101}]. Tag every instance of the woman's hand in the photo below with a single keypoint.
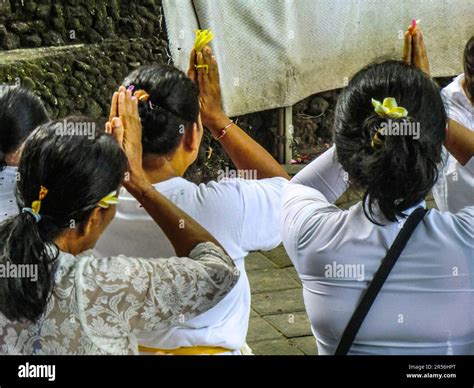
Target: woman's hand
[
  {"x": 207, "y": 76},
  {"x": 414, "y": 50},
  {"x": 124, "y": 124}
]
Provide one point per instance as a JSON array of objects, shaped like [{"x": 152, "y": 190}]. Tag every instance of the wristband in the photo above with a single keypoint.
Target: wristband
[{"x": 223, "y": 131}]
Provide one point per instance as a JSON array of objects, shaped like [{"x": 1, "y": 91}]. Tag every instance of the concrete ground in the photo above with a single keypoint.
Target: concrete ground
[{"x": 278, "y": 321}]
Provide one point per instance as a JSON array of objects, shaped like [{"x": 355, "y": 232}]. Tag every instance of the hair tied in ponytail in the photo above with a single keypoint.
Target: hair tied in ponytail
[{"x": 35, "y": 208}]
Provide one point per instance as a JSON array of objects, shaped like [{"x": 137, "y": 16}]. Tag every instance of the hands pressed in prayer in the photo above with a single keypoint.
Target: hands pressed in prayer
[
  {"x": 206, "y": 75},
  {"x": 414, "y": 50},
  {"x": 125, "y": 126}
]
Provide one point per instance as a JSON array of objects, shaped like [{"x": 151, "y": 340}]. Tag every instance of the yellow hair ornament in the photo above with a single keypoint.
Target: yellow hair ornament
[
  {"x": 389, "y": 108},
  {"x": 141, "y": 95},
  {"x": 377, "y": 142},
  {"x": 203, "y": 37},
  {"x": 36, "y": 205},
  {"x": 109, "y": 199}
]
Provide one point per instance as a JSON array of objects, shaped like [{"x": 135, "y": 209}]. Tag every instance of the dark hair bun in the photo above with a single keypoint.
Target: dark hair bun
[
  {"x": 172, "y": 107},
  {"x": 401, "y": 172}
]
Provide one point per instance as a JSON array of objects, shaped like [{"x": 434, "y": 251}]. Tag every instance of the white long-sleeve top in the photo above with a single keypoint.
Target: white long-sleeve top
[{"x": 426, "y": 306}]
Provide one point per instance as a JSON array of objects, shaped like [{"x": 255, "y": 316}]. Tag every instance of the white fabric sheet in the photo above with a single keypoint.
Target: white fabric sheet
[{"x": 274, "y": 53}]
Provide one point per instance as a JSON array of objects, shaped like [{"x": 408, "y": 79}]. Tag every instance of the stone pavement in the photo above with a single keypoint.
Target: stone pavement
[{"x": 278, "y": 321}]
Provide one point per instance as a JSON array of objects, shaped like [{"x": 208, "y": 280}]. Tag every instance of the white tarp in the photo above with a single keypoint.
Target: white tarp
[{"x": 274, "y": 53}]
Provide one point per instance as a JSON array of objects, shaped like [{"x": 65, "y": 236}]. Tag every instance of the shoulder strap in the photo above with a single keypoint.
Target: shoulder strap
[{"x": 377, "y": 282}]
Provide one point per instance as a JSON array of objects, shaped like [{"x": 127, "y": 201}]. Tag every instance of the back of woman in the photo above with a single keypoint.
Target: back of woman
[
  {"x": 390, "y": 152},
  {"x": 55, "y": 296}
]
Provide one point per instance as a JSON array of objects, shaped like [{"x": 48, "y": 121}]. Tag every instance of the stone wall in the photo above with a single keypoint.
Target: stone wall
[
  {"x": 45, "y": 23},
  {"x": 84, "y": 48}
]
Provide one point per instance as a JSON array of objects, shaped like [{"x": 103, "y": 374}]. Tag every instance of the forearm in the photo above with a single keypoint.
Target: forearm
[
  {"x": 245, "y": 152},
  {"x": 324, "y": 174},
  {"x": 183, "y": 232},
  {"x": 460, "y": 142}
]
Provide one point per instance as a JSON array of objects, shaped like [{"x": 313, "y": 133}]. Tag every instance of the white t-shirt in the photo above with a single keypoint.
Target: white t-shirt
[
  {"x": 243, "y": 215},
  {"x": 8, "y": 206},
  {"x": 455, "y": 187},
  {"x": 426, "y": 305}
]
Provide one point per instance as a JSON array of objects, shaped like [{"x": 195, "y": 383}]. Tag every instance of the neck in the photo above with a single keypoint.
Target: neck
[
  {"x": 161, "y": 168},
  {"x": 67, "y": 243}
]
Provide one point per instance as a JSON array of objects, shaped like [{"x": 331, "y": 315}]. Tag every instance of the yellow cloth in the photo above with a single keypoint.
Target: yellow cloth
[{"x": 191, "y": 351}]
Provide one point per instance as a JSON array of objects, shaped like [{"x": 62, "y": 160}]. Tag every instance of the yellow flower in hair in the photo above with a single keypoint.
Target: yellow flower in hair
[
  {"x": 109, "y": 199},
  {"x": 389, "y": 108},
  {"x": 203, "y": 37}
]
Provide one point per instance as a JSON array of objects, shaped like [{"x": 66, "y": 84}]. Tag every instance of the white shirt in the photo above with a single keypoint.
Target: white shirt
[
  {"x": 8, "y": 206},
  {"x": 243, "y": 215},
  {"x": 100, "y": 306},
  {"x": 426, "y": 306},
  {"x": 455, "y": 187}
]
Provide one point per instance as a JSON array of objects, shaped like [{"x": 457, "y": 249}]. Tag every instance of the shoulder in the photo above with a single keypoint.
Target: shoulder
[
  {"x": 236, "y": 190},
  {"x": 460, "y": 223},
  {"x": 453, "y": 87}
]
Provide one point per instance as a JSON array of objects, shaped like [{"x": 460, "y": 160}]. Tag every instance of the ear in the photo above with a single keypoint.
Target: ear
[
  {"x": 192, "y": 137},
  {"x": 94, "y": 219}
]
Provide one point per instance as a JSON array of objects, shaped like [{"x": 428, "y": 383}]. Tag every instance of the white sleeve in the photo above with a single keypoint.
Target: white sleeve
[
  {"x": 454, "y": 108},
  {"x": 261, "y": 209},
  {"x": 324, "y": 174},
  {"x": 308, "y": 200}
]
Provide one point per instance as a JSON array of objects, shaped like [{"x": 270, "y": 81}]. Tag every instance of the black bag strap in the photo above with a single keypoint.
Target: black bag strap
[{"x": 379, "y": 279}]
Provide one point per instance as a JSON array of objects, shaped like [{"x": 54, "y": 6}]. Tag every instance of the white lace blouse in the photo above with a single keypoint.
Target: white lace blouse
[{"x": 98, "y": 306}]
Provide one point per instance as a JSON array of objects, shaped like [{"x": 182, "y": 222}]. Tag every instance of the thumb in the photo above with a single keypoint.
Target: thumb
[{"x": 117, "y": 130}]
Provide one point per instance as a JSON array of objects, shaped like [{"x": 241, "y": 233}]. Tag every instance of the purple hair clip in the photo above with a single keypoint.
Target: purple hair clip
[{"x": 131, "y": 88}]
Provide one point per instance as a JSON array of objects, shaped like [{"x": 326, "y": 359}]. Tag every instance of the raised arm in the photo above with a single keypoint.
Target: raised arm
[
  {"x": 324, "y": 174},
  {"x": 459, "y": 139},
  {"x": 459, "y": 142},
  {"x": 150, "y": 294},
  {"x": 183, "y": 232},
  {"x": 244, "y": 151}
]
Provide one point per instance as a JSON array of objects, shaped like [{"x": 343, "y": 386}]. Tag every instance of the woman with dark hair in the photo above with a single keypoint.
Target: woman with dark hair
[
  {"x": 390, "y": 125},
  {"x": 20, "y": 113},
  {"x": 57, "y": 298},
  {"x": 243, "y": 214}
]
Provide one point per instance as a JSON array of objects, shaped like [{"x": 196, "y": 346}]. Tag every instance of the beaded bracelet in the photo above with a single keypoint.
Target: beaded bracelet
[{"x": 224, "y": 131}]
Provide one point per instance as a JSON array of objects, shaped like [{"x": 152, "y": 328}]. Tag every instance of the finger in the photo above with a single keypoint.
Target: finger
[
  {"x": 118, "y": 130},
  {"x": 201, "y": 72},
  {"x": 420, "y": 55},
  {"x": 121, "y": 104},
  {"x": 192, "y": 63},
  {"x": 135, "y": 111},
  {"x": 407, "y": 48},
  {"x": 113, "y": 106},
  {"x": 214, "y": 71},
  {"x": 129, "y": 102},
  {"x": 207, "y": 55},
  {"x": 108, "y": 128}
]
